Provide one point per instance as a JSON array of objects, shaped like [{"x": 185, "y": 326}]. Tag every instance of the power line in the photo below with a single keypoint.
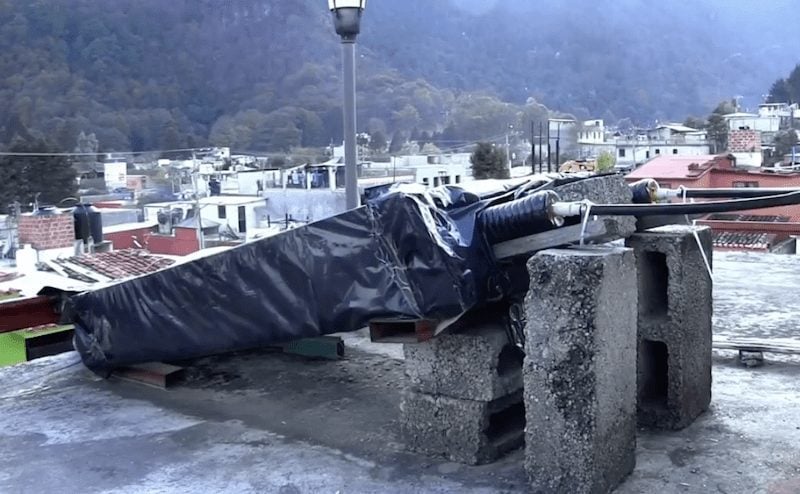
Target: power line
[{"x": 113, "y": 153}]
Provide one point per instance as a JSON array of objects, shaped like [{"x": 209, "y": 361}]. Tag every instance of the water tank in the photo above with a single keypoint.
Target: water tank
[
  {"x": 82, "y": 228},
  {"x": 95, "y": 224},
  {"x": 164, "y": 222},
  {"x": 176, "y": 215},
  {"x": 46, "y": 211}
]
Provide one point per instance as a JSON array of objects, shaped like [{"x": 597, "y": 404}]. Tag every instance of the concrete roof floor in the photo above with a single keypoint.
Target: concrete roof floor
[{"x": 268, "y": 422}]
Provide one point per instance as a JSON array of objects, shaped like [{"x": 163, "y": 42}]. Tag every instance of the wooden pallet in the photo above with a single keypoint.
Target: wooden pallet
[
  {"x": 157, "y": 374},
  {"x": 402, "y": 330}
]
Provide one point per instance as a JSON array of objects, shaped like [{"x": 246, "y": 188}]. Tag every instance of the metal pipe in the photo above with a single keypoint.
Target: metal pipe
[
  {"x": 530, "y": 214},
  {"x": 350, "y": 154},
  {"x": 735, "y": 192},
  {"x": 640, "y": 210}
]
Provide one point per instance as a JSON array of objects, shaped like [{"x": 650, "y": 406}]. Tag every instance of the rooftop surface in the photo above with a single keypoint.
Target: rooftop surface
[
  {"x": 269, "y": 422},
  {"x": 669, "y": 166}
]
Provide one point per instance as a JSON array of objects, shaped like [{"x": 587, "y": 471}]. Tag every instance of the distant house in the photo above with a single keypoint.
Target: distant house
[
  {"x": 236, "y": 213},
  {"x": 639, "y": 146},
  {"x": 771, "y": 229}
]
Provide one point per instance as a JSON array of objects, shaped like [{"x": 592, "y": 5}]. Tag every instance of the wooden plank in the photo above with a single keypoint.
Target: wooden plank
[
  {"x": 26, "y": 313},
  {"x": 157, "y": 374},
  {"x": 401, "y": 330},
  {"x": 547, "y": 240},
  {"x": 327, "y": 347},
  {"x": 756, "y": 346}
]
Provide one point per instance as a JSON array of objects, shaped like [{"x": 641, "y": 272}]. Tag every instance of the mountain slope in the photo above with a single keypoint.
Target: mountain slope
[{"x": 264, "y": 74}]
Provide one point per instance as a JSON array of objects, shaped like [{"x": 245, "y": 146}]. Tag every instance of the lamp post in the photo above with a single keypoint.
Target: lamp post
[{"x": 347, "y": 21}]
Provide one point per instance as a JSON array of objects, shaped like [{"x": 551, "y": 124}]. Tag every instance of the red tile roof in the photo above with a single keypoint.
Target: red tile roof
[
  {"x": 117, "y": 264},
  {"x": 671, "y": 167},
  {"x": 744, "y": 240}
]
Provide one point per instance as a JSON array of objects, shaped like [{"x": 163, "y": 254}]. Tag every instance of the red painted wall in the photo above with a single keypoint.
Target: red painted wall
[
  {"x": 182, "y": 242},
  {"x": 125, "y": 240}
]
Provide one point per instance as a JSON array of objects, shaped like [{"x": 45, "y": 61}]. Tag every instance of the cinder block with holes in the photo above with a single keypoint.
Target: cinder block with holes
[
  {"x": 674, "y": 325},
  {"x": 580, "y": 369},
  {"x": 464, "y": 431},
  {"x": 478, "y": 362}
]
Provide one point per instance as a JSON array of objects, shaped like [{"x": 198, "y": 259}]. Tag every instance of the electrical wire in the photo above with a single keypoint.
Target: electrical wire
[
  {"x": 639, "y": 210},
  {"x": 736, "y": 192},
  {"x": 112, "y": 153}
]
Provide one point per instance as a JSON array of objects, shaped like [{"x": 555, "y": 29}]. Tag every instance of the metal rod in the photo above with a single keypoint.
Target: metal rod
[
  {"x": 640, "y": 210},
  {"x": 548, "y": 146},
  {"x": 533, "y": 148},
  {"x": 558, "y": 146},
  {"x": 735, "y": 192},
  {"x": 350, "y": 155},
  {"x": 541, "y": 157}
]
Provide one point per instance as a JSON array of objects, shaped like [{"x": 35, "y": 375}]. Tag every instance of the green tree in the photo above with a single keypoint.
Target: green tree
[
  {"x": 718, "y": 126},
  {"x": 779, "y": 92},
  {"x": 695, "y": 123},
  {"x": 378, "y": 141},
  {"x": 23, "y": 177},
  {"x": 605, "y": 162},
  {"x": 398, "y": 140},
  {"x": 488, "y": 161},
  {"x": 785, "y": 140}
]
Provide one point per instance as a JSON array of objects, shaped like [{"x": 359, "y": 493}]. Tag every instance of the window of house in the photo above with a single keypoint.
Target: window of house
[
  {"x": 435, "y": 181},
  {"x": 425, "y": 181},
  {"x": 458, "y": 179},
  {"x": 221, "y": 214},
  {"x": 745, "y": 184},
  {"x": 621, "y": 153},
  {"x": 446, "y": 180},
  {"x": 658, "y": 151},
  {"x": 674, "y": 151},
  {"x": 647, "y": 154}
]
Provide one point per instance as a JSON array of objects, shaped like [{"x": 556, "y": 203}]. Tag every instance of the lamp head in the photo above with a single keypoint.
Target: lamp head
[{"x": 347, "y": 17}]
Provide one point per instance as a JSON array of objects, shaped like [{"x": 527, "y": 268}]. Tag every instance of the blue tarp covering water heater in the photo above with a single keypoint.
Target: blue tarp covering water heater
[{"x": 411, "y": 253}]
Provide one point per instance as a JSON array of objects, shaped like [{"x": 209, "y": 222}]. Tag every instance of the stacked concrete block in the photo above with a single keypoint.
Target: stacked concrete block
[
  {"x": 580, "y": 369},
  {"x": 674, "y": 325},
  {"x": 464, "y": 396},
  {"x": 606, "y": 189}
]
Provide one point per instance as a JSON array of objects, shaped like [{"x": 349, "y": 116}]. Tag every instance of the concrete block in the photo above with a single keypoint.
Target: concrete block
[
  {"x": 580, "y": 369},
  {"x": 674, "y": 323},
  {"x": 606, "y": 189},
  {"x": 464, "y": 431},
  {"x": 476, "y": 363}
]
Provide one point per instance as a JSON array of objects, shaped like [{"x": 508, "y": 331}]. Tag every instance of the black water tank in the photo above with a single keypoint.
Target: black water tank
[
  {"x": 82, "y": 229},
  {"x": 95, "y": 224},
  {"x": 46, "y": 211}
]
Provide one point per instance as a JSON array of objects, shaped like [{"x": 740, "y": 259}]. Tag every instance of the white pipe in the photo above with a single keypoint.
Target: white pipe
[{"x": 567, "y": 208}]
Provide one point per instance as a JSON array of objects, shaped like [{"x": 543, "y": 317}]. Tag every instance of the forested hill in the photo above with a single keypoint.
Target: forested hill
[{"x": 264, "y": 74}]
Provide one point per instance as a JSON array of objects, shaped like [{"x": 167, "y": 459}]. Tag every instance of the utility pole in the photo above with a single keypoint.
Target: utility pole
[
  {"x": 533, "y": 148},
  {"x": 548, "y": 146},
  {"x": 558, "y": 147},
  {"x": 508, "y": 154},
  {"x": 541, "y": 158},
  {"x": 347, "y": 22},
  {"x": 197, "y": 212}
]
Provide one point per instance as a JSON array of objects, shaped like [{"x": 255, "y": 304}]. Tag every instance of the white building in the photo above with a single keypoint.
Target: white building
[
  {"x": 240, "y": 213},
  {"x": 115, "y": 171},
  {"x": 642, "y": 145},
  {"x": 431, "y": 170},
  {"x": 771, "y": 118}
]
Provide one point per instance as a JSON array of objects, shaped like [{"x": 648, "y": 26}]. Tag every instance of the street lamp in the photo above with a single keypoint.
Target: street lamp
[{"x": 347, "y": 21}]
